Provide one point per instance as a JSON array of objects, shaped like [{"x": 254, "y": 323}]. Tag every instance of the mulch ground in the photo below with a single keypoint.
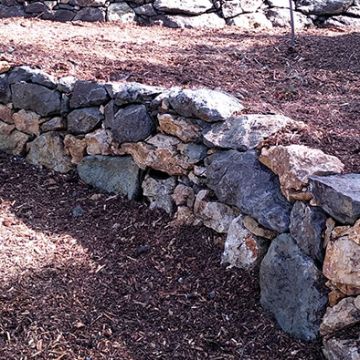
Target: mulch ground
[
  {"x": 318, "y": 83},
  {"x": 91, "y": 276}
]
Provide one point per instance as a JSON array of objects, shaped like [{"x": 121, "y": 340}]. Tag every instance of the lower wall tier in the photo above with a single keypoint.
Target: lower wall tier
[
  {"x": 192, "y": 14},
  {"x": 287, "y": 209}
]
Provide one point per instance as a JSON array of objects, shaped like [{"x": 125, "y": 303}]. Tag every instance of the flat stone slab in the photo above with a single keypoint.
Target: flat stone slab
[
  {"x": 112, "y": 174},
  {"x": 292, "y": 288},
  {"x": 338, "y": 195},
  {"x": 240, "y": 179}
]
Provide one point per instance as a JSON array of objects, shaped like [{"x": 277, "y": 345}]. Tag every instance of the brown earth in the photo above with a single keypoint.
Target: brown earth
[
  {"x": 91, "y": 276},
  {"x": 318, "y": 83}
]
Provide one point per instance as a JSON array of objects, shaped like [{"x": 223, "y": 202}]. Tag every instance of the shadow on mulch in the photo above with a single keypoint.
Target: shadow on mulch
[{"x": 117, "y": 282}]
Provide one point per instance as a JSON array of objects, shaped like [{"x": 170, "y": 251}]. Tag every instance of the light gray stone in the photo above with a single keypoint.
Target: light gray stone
[
  {"x": 323, "y": 7},
  {"x": 292, "y": 289},
  {"x": 342, "y": 349},
  {"x": 281, "y": 18},
  {"x": 118, "y": 174},
  {"x": 120, "y": 12},
  {"x": 251, "y": 21},
  {"x": 188, "y": 7},
  {"x": 203, "y": 21}
]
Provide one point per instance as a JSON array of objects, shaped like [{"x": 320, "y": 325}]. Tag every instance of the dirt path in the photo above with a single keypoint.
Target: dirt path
[
  {"x": 86, "y": 276},
  {"x": 319, "y": 83}
]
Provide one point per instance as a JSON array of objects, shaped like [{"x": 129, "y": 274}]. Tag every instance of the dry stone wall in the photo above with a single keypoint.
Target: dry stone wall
[
  {"x": 191, "y": 13},
  {"x": 192, "y": 153}
]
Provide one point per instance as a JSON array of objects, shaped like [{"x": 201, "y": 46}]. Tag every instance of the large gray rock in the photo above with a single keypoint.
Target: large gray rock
[
  {"x": 292, "y": 288},
  {"x": 130, "y": 124},
  {"x": 82, "y": 121},
  {"x": 5, "y": 94},
  {"x": 239, "y": 179},
  {"x": 48, "y": 150},
  {"x": 232, "y": 8},
  {"x": 88, "y": 93},
  {"x": 90, "y": 14},
  {"x": 36, "y": 76},
  {"x": 188, "y": 7},
  {"x": 323, "y": 7},
  {"x": 307, "y": 225},
  {"x": 247, "y": 131},
  {"x": 203, "y": 21},
  {"x": 281, "y": 18},
  {"x": 251, "y": 21},
  {"x": 36, "y": 98},
  {"x": 338, "y": 195},
  {"x": 118, "y": 174},
  {"x": 11, "y": 11},
  {"x": 204, "y": 104}
]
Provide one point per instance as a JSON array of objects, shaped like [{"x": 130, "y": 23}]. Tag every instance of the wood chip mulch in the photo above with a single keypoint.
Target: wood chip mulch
[
  {"x": 91, "y": 276},
  {"x": 318, "y": 83}
]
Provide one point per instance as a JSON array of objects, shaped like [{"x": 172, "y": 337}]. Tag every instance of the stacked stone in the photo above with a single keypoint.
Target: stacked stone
[
  {"x": 195, "y": 155},
  {"x": 191, "y": 13}
]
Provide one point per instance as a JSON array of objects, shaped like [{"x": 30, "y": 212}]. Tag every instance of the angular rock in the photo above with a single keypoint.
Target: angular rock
[
  {"x": 204, "y": 104},
  {"x": 99, "y": 142},
  {"x": 255, "y": 228},
  {"x": 27, "y": 122},
  {"x": 55, "y": 124},
  {"x": 88, "y": 93},
  {"x": 232, "y": 8},
  {"x": 239, "y": 179},
  {"x": 132, "y": 92},
  {"x": 61, "y": 15},
  {"x": 130, "y": 124},
  {"x": 292, "y": 289},
  {"x": 93, "y": 3},
  {"x": 159, "y": 154},
  {"x": 294, "y": 164},
  {"x": 323, "y": 7},
  {"x": 90, "y": 14},
  {"x": 120, "y": 12},
  {"x": 48, "y": 150},
  {"x": 11, "y": 11},
  {"x": 342, "y": 264},
  {"x": 338, "y": 195},
  {"x": 5, "y": 94},
  {"x": 82, "y": 121},
  {"x": 247, "y": 131},
  {"x": 214, "y": 215},
  {"x": 186, "y": 130},
  {"x": 74, "y": 147},
  {"x": 12, "y": 141},
  {"x": 36, "y": 98},
  {"x": 243, "y": 249},
  {"x": 112, "y": 174},
  {"x": 183, "y": 195},
  {"x": 281, "y": 18},
  {"x": 35, "y": 76},
  {"x": 66, "y": 84},
  {"x": 251, "y": 21},
  {"x": 351, "y": 232},
  {"x": 193, "y": 153},
  {"x": 4, "y": 67},
  {"x": 342, "y": 349},
  {"x": 159, "y": 191},
  {"x": 184, "y": 216},
  {"x": 145, "y": 10},
  {"x": 307, "y": 226},
  {"x": 188, "y": 7},
  {"x": 6, "y": 113},
  {"x": 342, "y": 21},
  {"x": 203, "y": 21},
  {"x": 344, "y": 314}
]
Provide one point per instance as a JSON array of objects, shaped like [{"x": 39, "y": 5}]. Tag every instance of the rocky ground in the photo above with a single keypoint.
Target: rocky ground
[
  {"x": 317, "y": 83},
  {"x": 91, "y": 276}
]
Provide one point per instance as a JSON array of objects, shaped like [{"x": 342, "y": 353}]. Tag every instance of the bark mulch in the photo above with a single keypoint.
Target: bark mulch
[
  {"x": 319, "y": 83},
  {"x": 87, "y": 276}
]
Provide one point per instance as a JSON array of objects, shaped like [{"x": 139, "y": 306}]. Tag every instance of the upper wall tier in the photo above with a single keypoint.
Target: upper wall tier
[{"x": 191, "y": 13}]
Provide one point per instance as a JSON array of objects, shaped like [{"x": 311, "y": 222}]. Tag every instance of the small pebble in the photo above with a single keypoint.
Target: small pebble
[{"x": 78, "y": 211}]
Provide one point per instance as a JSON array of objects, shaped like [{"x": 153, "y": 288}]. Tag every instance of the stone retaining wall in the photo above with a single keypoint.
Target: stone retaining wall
[
  {"x": 195, "y": 155},
  {"x": 191, "y": 13}
]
